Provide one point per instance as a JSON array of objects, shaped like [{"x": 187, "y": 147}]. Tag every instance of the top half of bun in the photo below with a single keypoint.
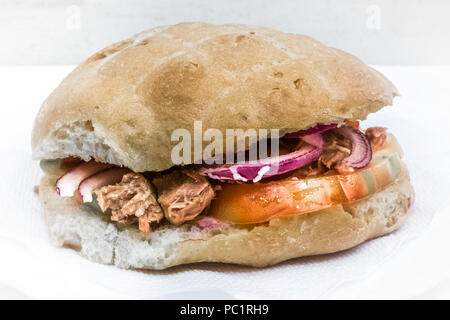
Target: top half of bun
[{"x": 122, "y": 104}]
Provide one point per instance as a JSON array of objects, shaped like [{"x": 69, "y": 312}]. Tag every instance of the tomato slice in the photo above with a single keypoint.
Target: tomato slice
[
  {"x": 354, "y": 124},
  {"x": 261, "y": 202}
]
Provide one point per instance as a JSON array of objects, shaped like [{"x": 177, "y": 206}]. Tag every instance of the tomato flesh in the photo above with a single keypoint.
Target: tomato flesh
[{"x": 261, "y": 202}]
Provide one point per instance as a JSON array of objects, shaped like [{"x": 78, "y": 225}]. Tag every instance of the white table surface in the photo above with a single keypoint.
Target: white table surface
[{"x": 420, "y": 118}]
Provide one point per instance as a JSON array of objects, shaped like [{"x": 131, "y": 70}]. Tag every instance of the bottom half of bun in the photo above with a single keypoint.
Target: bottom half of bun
[{"x": 330, "y": 230}]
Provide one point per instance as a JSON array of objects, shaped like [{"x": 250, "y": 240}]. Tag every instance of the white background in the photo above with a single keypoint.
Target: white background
[
  {"x": 381, "y": 32},
  {"x": 411, "y": 263}
]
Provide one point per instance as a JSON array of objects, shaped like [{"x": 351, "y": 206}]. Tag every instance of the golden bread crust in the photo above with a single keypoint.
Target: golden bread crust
[{"x": 134, "y": 93}]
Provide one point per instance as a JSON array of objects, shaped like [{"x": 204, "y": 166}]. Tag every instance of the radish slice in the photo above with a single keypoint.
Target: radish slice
[
  {"x": 99, "y": 179},
  {"x": 318, "y": 128},
  {"x": 68, "y": 183},
  {"x": 254, "y": 171}
]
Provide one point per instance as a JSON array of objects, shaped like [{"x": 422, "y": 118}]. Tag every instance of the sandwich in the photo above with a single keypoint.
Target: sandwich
[{"x": 126, "y": 144}]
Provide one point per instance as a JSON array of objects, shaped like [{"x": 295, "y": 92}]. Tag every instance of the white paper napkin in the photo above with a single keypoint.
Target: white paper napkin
[{"x": 30, "y": 267}]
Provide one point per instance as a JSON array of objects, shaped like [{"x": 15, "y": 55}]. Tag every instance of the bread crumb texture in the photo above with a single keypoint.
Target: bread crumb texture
[{"x": 338, "y": 228}]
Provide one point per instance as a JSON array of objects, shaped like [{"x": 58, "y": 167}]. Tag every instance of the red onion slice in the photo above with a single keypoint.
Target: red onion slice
[
  {"x": 98, "y": 180},
  {"x": 209, "y": 223},
  {"x": 315, "y": 140},
  {"x": 318, "y": 128},
  {"x": 67, "y": 184},
  {"x": 254, "y": 171},
  {"x": 361, "y": 150}
]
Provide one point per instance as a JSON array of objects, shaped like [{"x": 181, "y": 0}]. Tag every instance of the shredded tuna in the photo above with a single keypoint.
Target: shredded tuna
[
  {"x": 314, "y": 169},
  {"x": 131, "y": 200},
  {"x": 377, "y": 137},
  {"x": 183, "y": 195},
  {"x": 336, "y": 148}
]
